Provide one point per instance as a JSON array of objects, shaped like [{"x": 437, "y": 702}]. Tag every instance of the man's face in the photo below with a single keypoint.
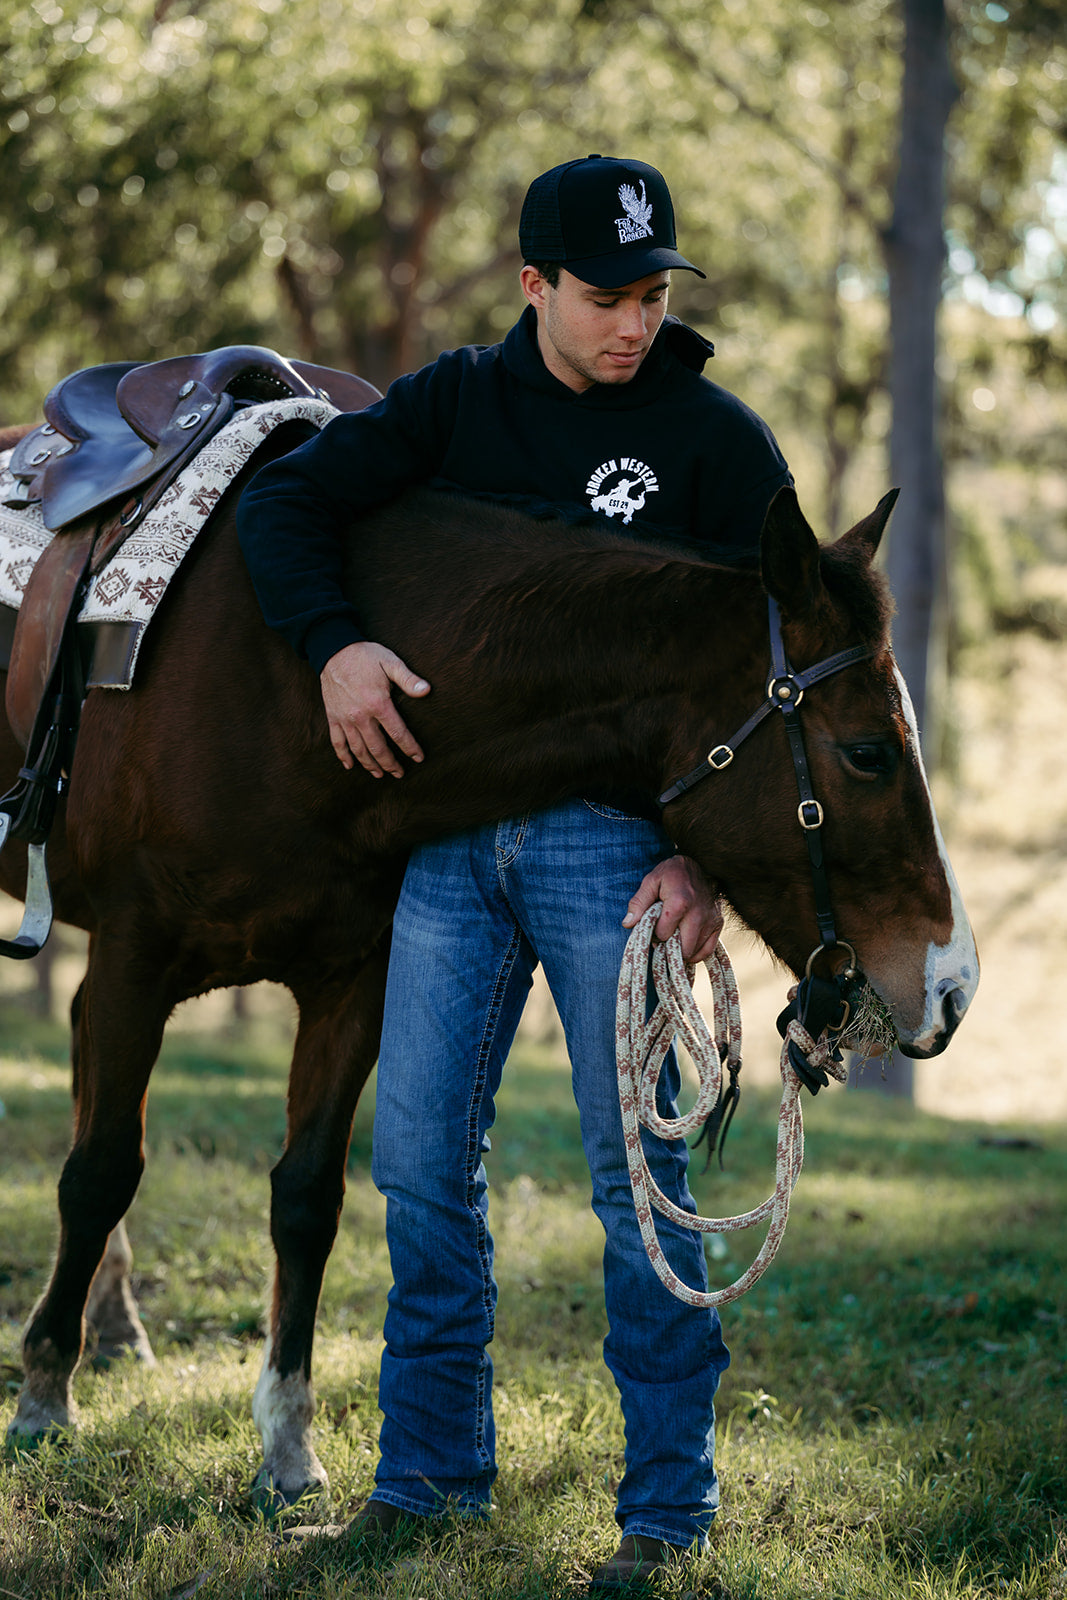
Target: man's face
[{"x": 588, "y": 335}]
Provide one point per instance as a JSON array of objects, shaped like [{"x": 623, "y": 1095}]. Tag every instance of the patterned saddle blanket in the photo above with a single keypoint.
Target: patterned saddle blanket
[{"x": 123, "y": 597}]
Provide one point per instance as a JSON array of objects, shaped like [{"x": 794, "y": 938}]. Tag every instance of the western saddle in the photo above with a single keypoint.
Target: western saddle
[
  {"x": 125, "y": 430},
  {"x": 114, "y": 439}
]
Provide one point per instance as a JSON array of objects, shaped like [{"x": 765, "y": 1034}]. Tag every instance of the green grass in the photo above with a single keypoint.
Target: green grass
[{"x": 892, "y": 1423}]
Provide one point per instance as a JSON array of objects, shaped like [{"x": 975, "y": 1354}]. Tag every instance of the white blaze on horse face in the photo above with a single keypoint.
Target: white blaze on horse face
[{"x": 952, "y": 968}]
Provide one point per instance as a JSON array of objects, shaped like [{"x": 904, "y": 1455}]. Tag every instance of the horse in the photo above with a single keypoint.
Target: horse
[{"x": 210, "y": 837}]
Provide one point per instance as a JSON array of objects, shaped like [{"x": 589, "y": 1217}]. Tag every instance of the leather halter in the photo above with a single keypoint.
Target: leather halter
[{"x": 818, "y": 1000}]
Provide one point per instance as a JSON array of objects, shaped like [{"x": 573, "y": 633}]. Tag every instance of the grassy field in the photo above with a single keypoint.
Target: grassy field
[{"x": 893, "y": 1423}]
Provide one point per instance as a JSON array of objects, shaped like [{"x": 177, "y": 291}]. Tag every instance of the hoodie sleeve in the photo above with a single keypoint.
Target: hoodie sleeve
[{"x": 292, "y": 518}]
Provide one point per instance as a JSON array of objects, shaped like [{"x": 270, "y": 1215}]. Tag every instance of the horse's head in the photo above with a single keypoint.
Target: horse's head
[{"x": 891, "y": 890}]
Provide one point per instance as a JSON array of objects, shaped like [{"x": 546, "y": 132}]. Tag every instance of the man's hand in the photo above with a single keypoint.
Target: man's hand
[
  {"x": 690, "y": 905},
  {"x": 357, "y": 693}
]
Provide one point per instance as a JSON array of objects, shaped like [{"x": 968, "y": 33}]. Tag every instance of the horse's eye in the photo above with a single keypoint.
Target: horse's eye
[{"x": 870, "y": 760}]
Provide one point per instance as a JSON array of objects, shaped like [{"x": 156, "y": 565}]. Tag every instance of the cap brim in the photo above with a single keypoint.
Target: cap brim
[{"x": 619, "y": 268}]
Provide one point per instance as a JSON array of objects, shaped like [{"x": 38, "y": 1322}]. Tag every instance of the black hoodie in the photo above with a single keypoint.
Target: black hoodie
[{"x": 667, "y": 456}]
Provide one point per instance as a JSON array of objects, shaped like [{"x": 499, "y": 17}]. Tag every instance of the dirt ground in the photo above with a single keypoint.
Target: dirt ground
[{"x": 1005, "y": 820}]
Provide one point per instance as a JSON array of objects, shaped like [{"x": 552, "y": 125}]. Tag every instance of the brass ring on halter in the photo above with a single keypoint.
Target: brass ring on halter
[{"x": 821, "y": 949}]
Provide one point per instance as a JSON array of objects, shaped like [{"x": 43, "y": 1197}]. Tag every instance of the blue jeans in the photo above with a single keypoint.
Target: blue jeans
[{"x": 477, "y": 912}]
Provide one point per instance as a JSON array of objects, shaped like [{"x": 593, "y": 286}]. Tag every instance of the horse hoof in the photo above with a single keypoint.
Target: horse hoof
[
  {"x": 19, "y": 1441},
  {"x": 132, "y": 1347},
  {"x": 39, "y": 1418},
  {"x": 271, "y": 1501}
]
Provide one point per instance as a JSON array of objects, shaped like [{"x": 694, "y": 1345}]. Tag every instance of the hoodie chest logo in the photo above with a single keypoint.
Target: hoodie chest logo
[{"x": 619, "y": 488}]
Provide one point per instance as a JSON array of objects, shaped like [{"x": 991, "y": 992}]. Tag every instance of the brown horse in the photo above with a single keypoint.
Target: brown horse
[{"x": 212, "y": 838}]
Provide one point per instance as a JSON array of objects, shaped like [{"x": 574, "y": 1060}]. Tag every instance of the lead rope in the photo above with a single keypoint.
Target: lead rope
[{"x": 642, "y": 1042}]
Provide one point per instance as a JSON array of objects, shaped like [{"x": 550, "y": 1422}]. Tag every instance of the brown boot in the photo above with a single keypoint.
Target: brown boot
[
  {"x": 378, "y": 1523},
  {"x": 636, "y": 1565}
]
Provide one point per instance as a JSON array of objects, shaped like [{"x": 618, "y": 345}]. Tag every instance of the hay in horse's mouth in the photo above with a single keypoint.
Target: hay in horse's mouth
[{"x": 870, "y": 1030}]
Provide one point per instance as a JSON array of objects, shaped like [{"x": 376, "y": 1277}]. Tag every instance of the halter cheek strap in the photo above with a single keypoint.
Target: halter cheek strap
[{"x": 819, "y": 1000}]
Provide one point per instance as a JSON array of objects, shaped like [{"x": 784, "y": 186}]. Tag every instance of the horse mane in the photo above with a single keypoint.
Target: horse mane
[
  {"x": 472, "y": 558},
  {"x": 505, "y": 529},
  {"x": 488, "y": 588}
]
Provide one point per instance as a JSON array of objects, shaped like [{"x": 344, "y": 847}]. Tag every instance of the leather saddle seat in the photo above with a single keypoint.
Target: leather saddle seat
[
  {"x": 115, "y": 437},
  {"x": 125, "y": 429}
]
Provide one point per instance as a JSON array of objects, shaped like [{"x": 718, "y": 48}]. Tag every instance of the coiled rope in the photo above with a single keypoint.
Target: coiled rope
[{"x": 642, "y": 1042}]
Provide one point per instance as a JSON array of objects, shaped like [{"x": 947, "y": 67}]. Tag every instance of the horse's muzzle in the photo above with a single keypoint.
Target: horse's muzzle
[{"x": 953, "y": 1005}]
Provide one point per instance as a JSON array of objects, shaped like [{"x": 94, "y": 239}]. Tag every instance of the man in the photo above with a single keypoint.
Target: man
[{"x": 593, "y": 405}]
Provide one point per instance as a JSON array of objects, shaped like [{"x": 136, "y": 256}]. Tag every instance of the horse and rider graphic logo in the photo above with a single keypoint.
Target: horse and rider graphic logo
[
  {"x": 612, "y": 487},
  {"x": 637, "y": 223}
]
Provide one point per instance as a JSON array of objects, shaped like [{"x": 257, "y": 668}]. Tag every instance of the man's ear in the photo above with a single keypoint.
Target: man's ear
[
  {"x": 789, "y": 555},
  {"x": 534, "y": 287}
]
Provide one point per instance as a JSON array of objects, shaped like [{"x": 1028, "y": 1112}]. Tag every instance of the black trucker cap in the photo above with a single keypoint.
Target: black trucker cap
[{"x": 608, "y": 222}]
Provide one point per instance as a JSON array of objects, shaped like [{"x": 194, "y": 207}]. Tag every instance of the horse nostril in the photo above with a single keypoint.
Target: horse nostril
[{"x": 953, "y": 1006}]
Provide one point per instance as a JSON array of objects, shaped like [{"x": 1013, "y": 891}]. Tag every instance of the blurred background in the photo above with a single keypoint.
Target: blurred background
[{"x": 877, "y": 191}]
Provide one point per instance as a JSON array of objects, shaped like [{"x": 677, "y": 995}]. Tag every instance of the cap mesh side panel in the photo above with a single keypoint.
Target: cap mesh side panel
[{"x": 540, "y": 218}]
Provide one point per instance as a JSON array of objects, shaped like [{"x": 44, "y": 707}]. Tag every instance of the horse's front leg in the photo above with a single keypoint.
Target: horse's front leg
[
  {"x": 336, "y": 1047},
  {"x": 120, "y": 1026}
]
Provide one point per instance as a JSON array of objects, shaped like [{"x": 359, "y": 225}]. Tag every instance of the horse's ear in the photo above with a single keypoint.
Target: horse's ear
[
  {"x": 868, "y": 533},
  {"x": 789, "y": 555}
]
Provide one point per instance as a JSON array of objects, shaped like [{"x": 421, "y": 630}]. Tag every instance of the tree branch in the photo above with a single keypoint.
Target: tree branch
[{"x": 856, "y": 198}]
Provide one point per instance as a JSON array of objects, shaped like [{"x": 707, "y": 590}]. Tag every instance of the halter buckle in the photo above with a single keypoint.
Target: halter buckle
[
  {"x": 720, "y": 757},
  {"x": 810, "y": 815}
]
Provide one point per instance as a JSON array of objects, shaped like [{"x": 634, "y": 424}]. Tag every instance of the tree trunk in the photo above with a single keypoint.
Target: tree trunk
[{"x": 915, "y": 253}]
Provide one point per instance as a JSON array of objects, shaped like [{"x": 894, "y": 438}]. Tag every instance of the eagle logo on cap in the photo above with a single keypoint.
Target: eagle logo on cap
[{"x": 637, "y": 223}]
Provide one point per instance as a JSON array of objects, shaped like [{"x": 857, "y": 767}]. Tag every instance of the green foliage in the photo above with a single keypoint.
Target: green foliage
[
  {"x": 891, "y": 1424},
  {"x": 341, "y": 179},
  {"x": 243, "y": 171}
]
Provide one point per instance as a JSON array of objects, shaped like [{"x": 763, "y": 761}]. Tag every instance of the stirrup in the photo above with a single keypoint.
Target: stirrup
[
  {"x": 36, "y": 922},
  {"x": 28, "y": 811}
]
